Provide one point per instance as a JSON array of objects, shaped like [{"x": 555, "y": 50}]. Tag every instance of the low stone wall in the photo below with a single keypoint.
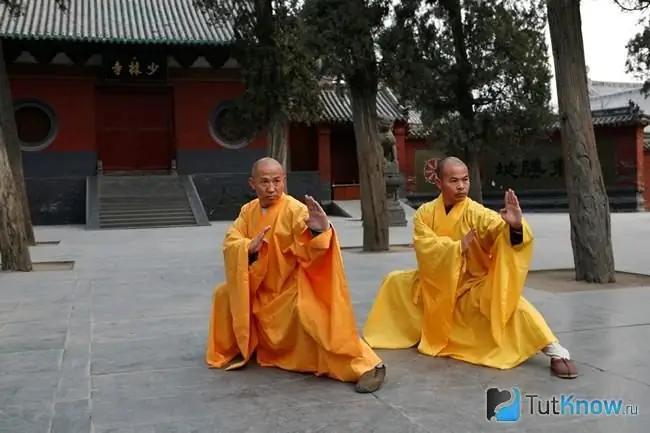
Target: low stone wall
[
  {"x": 57, "y": 200},
  {"x": 56, "y": 185}
]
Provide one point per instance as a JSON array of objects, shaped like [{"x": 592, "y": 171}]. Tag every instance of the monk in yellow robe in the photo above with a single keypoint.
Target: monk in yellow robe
[
  {"x": 464, "y": 300},
  {"x": 285, "y": 299}
]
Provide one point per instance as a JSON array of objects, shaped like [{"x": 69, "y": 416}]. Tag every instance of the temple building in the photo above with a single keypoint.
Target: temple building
[
  {"x": 120, "y": 112},
  {"x": 100, "y": 99}
]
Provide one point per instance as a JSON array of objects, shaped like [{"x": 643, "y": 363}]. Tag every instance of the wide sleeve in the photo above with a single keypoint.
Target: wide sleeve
[
  {"x": 490, "y": 226},
  {"x": 440, "y": 267},
  {"x": 242, "y": 279},
  {"x": 323, "y": 295},
  {"x": 509, "y": 267},
  {"x": 308, "y": 246}
]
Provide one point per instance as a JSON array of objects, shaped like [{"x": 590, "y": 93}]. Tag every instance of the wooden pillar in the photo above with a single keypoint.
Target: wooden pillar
[
  {"x": 324, "y": 152},
  {"x": 400, "y": 144},
  {"x": 639, "y": 163}
]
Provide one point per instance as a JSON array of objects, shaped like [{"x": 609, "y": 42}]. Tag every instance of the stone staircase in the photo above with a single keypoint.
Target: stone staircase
[{"x": 144, "y": 201}]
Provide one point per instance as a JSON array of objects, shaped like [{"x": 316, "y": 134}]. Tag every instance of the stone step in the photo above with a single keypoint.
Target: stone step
[
  {"x": 146, "y": 201},
  {"x": 147, "y": 216},
  {"x": 144, "y": 206},
  {"x": 143, "y": 224},
  {"x": 143, "y": 198},
  {"x": 135, "y": 212}
]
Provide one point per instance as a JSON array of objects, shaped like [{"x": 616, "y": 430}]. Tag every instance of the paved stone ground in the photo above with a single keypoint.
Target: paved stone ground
[{"x": 117, "y": 345}]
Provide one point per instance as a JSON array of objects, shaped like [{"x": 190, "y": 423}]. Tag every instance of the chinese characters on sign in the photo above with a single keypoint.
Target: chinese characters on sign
[
  {"x": 531, "y": 169},
  {"x": 135, "y": 67}
]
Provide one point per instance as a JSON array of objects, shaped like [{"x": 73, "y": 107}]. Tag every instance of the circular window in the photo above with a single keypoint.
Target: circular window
[
  {"x": 36, "y": 124},
  {"x": 225, "y": 127}
]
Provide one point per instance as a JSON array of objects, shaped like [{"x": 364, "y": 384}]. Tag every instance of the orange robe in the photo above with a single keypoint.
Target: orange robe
[
  {"x": 291, "y": 306},
  {"x": 468, "y": 307}
]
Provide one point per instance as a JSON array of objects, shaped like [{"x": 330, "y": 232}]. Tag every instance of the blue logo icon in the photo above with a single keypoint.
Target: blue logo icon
[{"x": 503, "y": 405}]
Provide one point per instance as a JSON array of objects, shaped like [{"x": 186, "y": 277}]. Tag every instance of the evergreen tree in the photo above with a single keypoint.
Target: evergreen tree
[
  {"x": 343, "y": 34},
  {"x": 477, "y": 70},
  {"x": 279, "y": 74},
  {"x": 591, "y": 233}
]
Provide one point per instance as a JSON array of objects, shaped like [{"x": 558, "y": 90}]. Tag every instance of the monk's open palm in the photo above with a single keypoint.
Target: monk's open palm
[
  {"x": 256, "y": 244},
  {"x": 316, "y": 218},
  {"x": 511, "y": 213}
]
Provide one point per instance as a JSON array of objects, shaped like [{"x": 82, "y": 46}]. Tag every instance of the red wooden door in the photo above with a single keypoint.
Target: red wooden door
[{"x": 134, "y": 130}]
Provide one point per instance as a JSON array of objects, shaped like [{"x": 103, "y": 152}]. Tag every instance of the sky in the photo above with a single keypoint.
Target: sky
[{"x": 606, "y": 29}]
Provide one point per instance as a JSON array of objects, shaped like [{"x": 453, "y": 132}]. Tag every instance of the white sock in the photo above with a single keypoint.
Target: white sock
[{"x": 555, "y": 350}]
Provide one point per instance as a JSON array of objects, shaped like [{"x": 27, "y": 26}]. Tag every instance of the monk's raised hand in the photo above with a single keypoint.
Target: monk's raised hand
[
  {"x": 258, "y": 241},
  {"x": 511, "y": 213},
  {"x": 467, "y": 240},
  {"x": 316, "y": 217}
]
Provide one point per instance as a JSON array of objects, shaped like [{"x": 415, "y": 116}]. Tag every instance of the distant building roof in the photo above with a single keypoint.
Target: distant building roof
[
  {"x": 622, "y": 116},
  {"x": 114, "y": 21},
  {"x": 337, "y": 107},
  {"x": 605, "y": 88}
]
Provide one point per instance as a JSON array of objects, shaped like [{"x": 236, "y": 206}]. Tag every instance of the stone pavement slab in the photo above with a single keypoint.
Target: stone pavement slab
[{"x": 117, "y": 344}]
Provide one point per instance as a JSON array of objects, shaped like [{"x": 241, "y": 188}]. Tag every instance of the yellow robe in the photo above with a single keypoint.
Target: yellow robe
[
  {"x": 291, "y": 306},
  {"x": 468, "y": 307}
]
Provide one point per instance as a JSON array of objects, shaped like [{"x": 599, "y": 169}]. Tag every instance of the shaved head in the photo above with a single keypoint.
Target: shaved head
[
  {"x": 264, "y": 164},
  {"x": 450, "y": 161},
  {"x": 267, "y": 179},
  {"x": 452, "y": 179}
]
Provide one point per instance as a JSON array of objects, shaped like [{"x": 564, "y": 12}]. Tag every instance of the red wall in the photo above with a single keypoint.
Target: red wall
[
  {"x": 646, "y": 177},
  {"x": 73, "y": 102},
  {"x": 629, "y": 153},
  {"x": 193, "y": 103},
  {"x": 411, "y": 145},
  {"x": 629, "y": 160},
  {"x": 303, "y": 145}
]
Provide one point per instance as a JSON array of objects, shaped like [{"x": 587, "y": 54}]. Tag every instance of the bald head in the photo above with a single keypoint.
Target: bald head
[
  {"x": 267, "y": 179},
  {"x": 450, "y": 161},
  {"x": 452, "y": 178},
  {"x": 264, "y": 165}
]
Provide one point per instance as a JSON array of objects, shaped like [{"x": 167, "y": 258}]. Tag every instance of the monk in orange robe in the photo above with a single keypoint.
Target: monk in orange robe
[
  {"x": 285, "y": 298},
  {"x": 464, "y": 300}
]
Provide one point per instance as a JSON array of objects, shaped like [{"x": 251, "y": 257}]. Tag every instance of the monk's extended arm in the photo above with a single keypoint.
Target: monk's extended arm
[
  {"x": 489, "y": 225},
  {"x": 310, "y": 244}
]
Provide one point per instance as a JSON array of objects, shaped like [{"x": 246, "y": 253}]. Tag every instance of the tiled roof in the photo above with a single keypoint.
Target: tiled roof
[
  {"x": 628, "y": 115},
  {"x": 336, "y": 107},
  {"x": 116, "y": 21},
  {"x": 416, "y": 128},
  {"x": 623, "y": 116}
]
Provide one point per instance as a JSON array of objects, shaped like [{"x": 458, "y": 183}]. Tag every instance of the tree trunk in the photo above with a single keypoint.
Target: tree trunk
[
  {"x": 591, "y": 236},
  {"x": 8, "y": 124},
  {"x": 464, "y": 98},
  {"x": 278, "y": 147},
  {"x": 14, "y": 251},
  {"x": 374, "y": 208}
]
